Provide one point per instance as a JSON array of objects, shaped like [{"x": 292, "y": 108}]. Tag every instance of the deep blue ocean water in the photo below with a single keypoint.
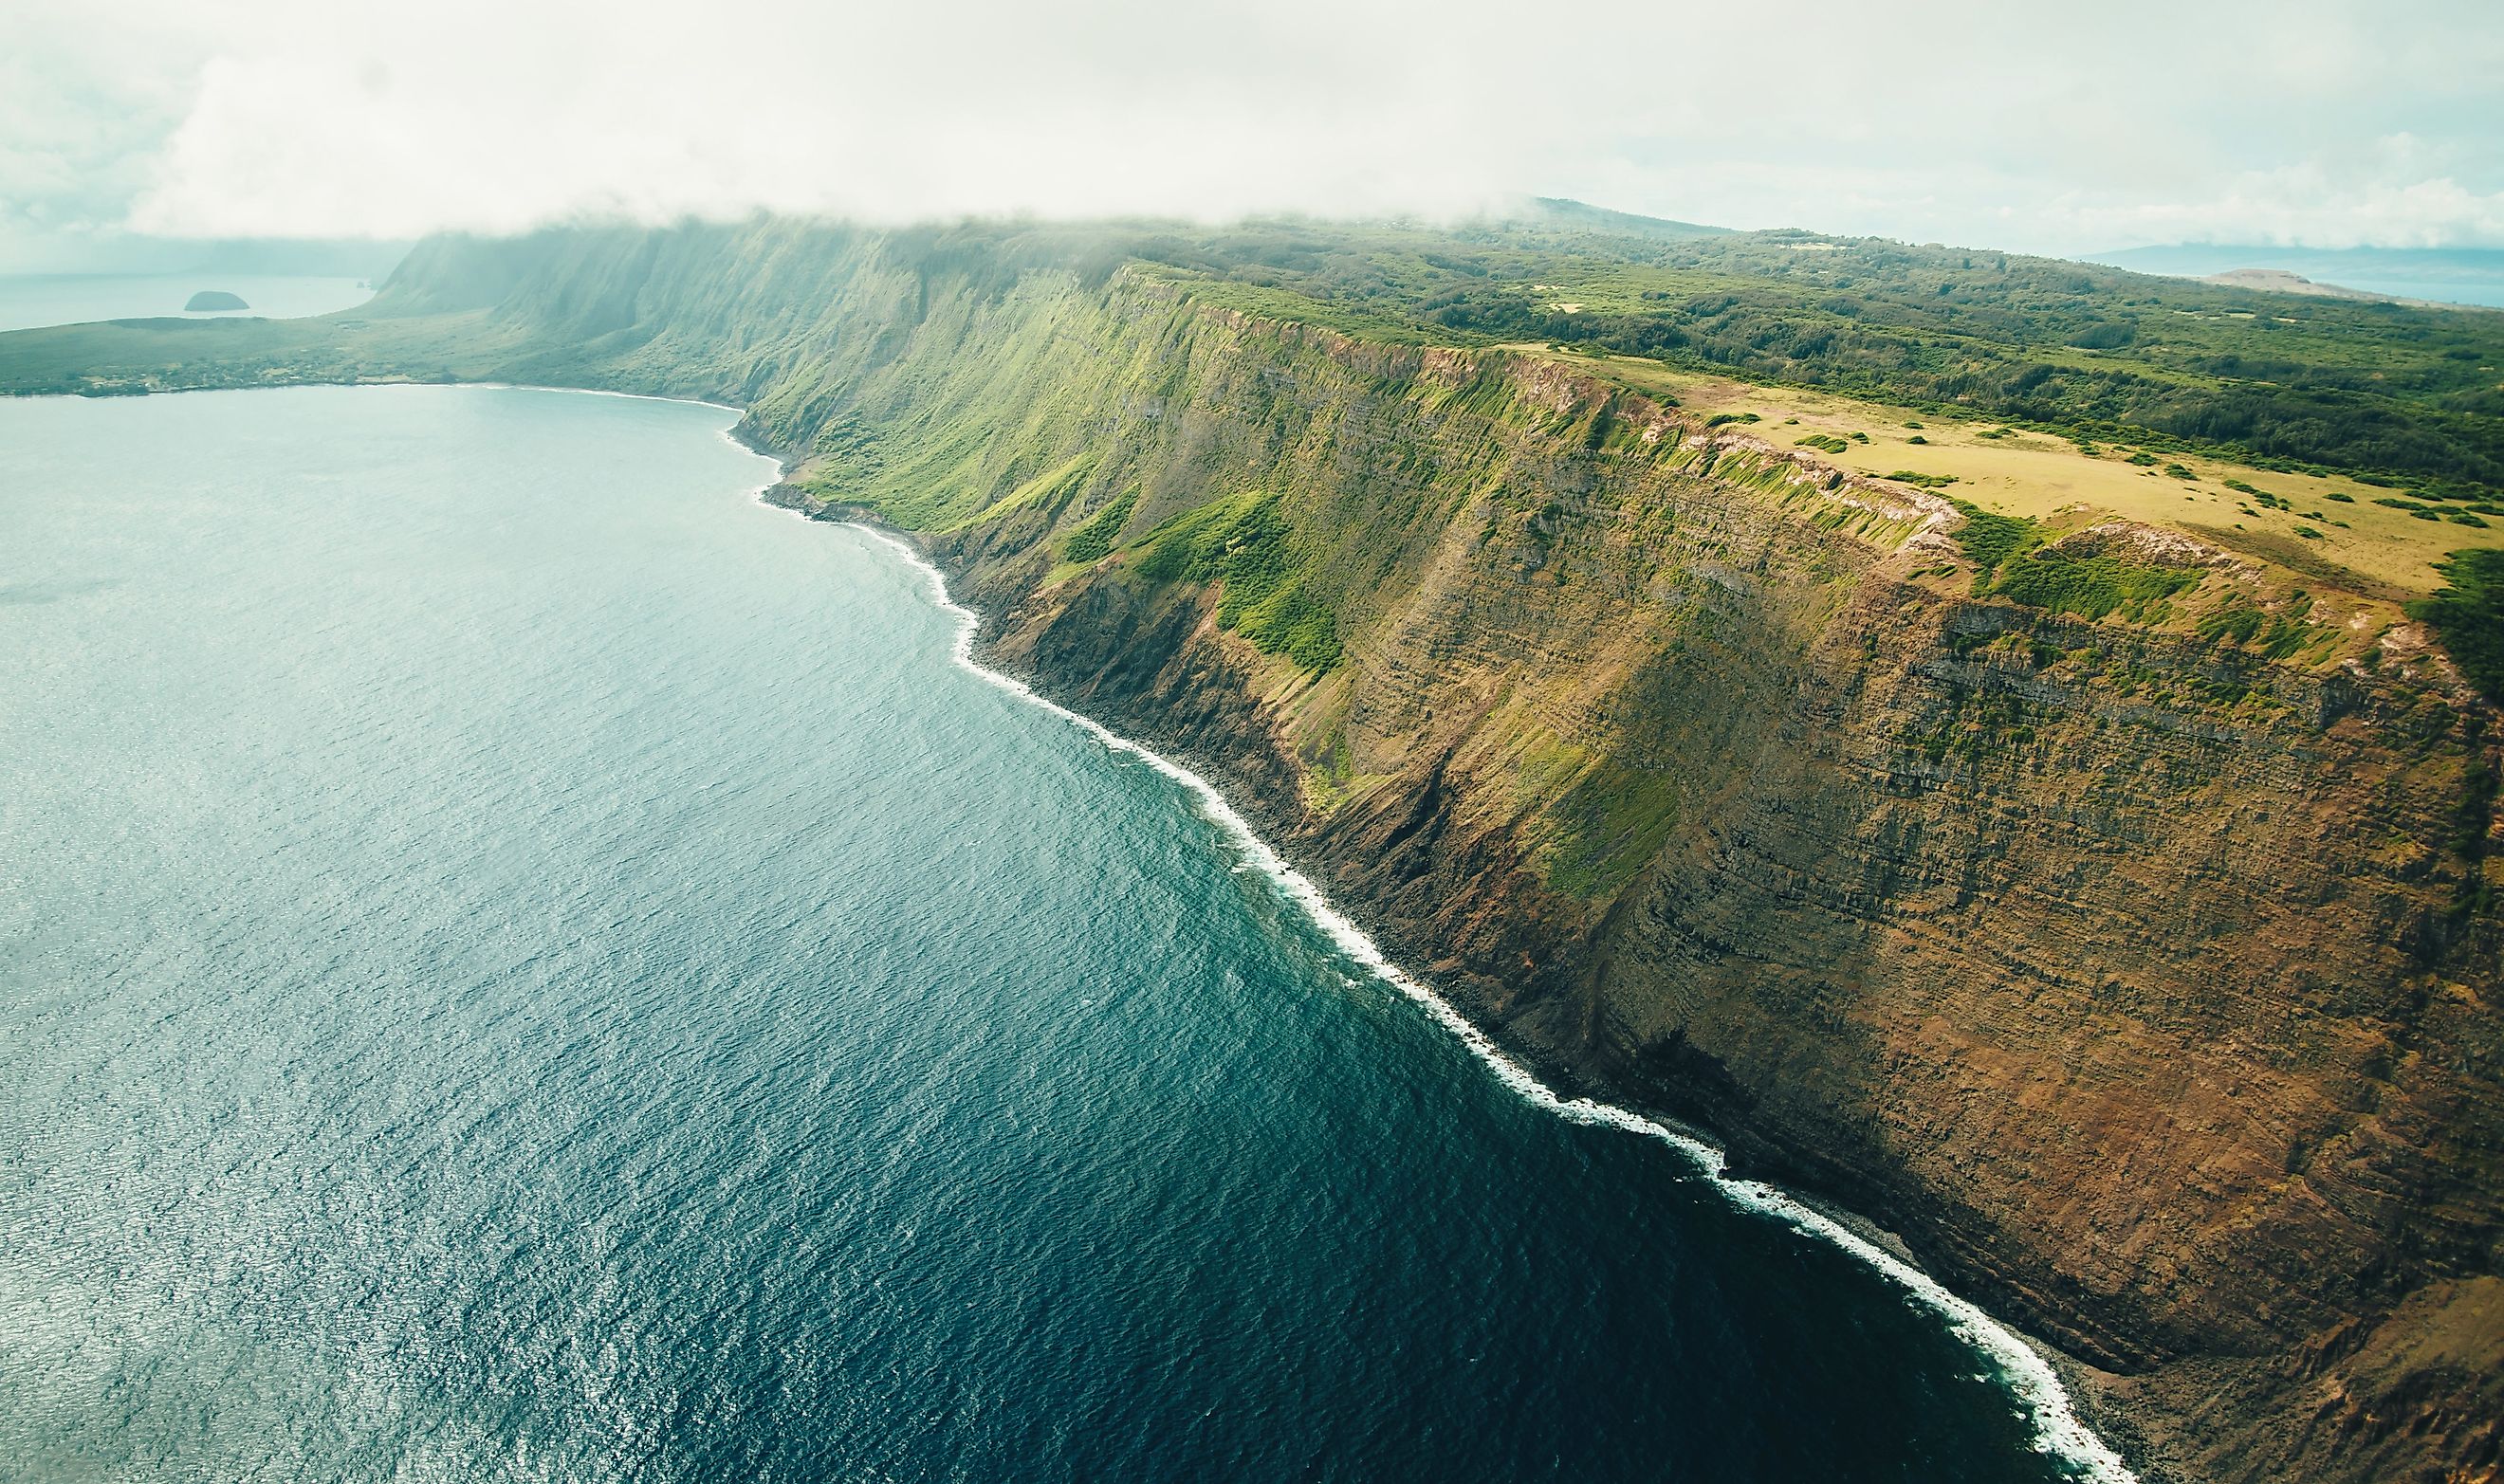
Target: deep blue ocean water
[{"x": 519, "y": 961}]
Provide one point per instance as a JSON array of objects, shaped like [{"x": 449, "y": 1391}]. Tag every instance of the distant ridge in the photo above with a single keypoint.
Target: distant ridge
[
  {"x": 1559, "y": 211},
  {"x": 2280, "y": 281}
]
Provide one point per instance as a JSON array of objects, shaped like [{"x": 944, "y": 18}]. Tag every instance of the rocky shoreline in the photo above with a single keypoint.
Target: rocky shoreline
[{"x": 1295, "y": 837}]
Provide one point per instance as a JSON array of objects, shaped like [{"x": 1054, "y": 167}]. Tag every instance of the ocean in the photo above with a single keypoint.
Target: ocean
[
  {"x": 31, "y": 300},
  {"x": 523, "y": 962}
]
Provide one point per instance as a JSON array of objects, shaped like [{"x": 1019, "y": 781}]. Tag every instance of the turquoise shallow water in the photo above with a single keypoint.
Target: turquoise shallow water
[{"x": 518, "y": 962}]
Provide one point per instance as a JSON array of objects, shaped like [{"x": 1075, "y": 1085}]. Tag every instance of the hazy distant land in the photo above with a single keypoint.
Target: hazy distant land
[{"x": 2433, "y": 275}]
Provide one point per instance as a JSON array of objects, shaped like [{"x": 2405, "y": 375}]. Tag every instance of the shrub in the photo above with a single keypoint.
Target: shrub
[
  {"x": 2090, "y": 586},
  {"x": 1243, "y": 542},
  {"x": 2237, "y": 622},
  {"x": 1094, "y": 541},
  {"x": 2009, "y": 548},
  {"x": 2468, "y": 615},
  {"x": 2275, "y": 635},
  {"x": 1990, "y": 540},
  {"x": 2105, "y": 335}
]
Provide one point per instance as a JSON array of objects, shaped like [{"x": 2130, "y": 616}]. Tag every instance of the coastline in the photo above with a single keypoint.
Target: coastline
[
  {"x": 2031, "y": 1374},
  {"x": 2129, "y": 979},
  {"x": 2031, "y": 1377}
]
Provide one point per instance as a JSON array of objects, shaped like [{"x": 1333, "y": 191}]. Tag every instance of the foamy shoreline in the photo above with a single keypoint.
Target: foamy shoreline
[
  {"x": 2058, "y": 1428},
  {"x": 2059, "y": 1431}
]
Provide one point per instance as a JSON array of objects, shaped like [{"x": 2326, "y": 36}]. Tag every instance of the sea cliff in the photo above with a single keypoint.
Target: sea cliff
[{"x": 2125, "y": 975}]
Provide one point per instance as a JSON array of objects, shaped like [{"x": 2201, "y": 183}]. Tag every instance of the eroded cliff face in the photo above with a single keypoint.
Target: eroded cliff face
[{"x": 2143, "y": 985}]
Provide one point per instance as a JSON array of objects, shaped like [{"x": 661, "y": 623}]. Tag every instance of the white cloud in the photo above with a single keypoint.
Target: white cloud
[
  {"x": 2320, "y": 123},
  {"x": 2305, "y": 206},
  {"x": 493, "y": 123}
]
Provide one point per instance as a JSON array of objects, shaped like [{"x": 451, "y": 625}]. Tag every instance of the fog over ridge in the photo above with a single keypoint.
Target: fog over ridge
[{"x": 2322, "y": 124}]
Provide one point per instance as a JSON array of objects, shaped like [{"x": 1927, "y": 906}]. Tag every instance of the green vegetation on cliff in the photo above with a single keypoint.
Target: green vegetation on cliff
[
  {"x": 2090, "y": 586},
  {"x": 1245, "y": 545},
  {"x": 2469, "y": 613},
  {"x": 1990, "y": 540},
  {"x": 2016, "y": 564},
  {"x": 1094, "y": 541}
]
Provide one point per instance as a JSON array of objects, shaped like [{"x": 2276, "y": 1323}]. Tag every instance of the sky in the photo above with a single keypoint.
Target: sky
[{"x": 2064, "y": 129}]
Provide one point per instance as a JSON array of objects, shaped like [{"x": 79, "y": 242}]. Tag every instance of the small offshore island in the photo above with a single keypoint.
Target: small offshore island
[
  {"x": 2005, "y": 746},
  {"x": 209, "y": 300}
]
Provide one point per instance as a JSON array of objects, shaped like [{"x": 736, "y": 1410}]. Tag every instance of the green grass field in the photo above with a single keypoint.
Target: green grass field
[{"x": 2051, "y": 478}]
